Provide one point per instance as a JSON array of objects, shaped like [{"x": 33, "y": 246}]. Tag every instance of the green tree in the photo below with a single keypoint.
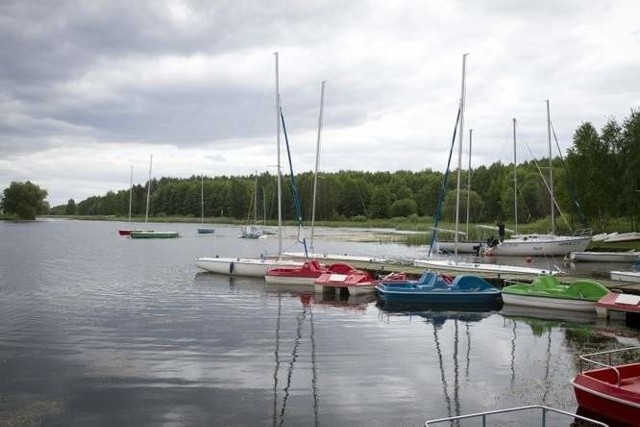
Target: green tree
[
  {"x": 71, "y": 207},
  {"x": 25, "y": 200},
  {"x": 404, "y": 207},
  {"x": 380, "y": 201}
]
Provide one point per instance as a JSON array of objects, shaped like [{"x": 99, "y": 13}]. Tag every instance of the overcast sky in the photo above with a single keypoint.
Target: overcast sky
[{"x": 90, "y": 89}]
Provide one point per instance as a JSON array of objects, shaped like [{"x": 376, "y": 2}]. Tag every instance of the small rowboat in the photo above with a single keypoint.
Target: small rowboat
[{"x": 611, "y": 388}]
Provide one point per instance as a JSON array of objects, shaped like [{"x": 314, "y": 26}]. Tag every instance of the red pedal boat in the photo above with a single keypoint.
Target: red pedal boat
[
  {"x": 305, "y": 274},
  {"x": 610, "y": 388}
]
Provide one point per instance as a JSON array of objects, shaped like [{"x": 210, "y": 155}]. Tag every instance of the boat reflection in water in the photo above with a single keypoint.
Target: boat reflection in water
[{"x": 437, "y": 315}]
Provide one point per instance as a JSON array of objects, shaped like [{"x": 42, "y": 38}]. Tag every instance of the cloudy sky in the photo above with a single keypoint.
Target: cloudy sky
[{"x": 90, "y": 89}]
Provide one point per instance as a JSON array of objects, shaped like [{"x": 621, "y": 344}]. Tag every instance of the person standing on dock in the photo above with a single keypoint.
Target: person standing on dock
[{"x": 500, "y": 225}]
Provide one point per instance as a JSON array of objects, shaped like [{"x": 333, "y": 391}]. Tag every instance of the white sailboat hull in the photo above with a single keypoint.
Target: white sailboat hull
[
  {"x": 463, "y": 247},
  {"x": 541, "y": 246},
  {"x": 479, "y": 268},
  {"x": 246, "y": 267}
]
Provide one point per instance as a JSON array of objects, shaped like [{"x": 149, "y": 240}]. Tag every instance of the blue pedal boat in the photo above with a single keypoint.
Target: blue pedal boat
[{"x": 434, "y": 288}]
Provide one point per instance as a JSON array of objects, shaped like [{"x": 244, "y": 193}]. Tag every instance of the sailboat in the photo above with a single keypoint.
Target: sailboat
[
  {"x": 203, "y": 230},
  {"x": 452, "y": 263},
  {"x": 543, "y": 244},
  {"x": 254, "y": 230},
  {"x": 127, "y": 231},
  {"x": 255, "y": 267},
  {"x": 146, "y": 233}
]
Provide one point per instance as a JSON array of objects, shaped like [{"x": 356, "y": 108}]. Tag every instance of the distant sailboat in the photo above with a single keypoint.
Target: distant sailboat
[
  {"x": 203, "y": 230},
  {"x": 253, "y": 230},
  {"x": 150, "y": 234},
  {"x": 127, "y": 231}
]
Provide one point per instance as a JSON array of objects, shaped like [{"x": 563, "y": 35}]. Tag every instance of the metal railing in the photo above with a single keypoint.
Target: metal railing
[
  {"x": 588, "y": 358},
  {"x": 543, "y": 416}
]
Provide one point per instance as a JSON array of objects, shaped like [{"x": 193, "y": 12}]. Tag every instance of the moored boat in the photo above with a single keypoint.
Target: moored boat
[
  {"x": 247, "y": 267},
  {"x": 611, "y": 387},
  {"x": 206, "y": 230},
  {"x": 540, "y": 245},
  {"x": 593, "y": 256},
  {"x": 149, "y": 234},
  {"x": 625, "y": 276},
  {"x": 620, "y": 302},
  {"x": 306, "y": 274},
  {"x": 438, "y": 288},
  {"x": 452, "y": 265},
  {"x": 356, "y": 282},
  {"x": 547, "y": 292}
]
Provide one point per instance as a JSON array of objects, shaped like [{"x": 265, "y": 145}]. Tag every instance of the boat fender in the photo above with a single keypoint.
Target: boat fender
[{"x": 231, "y": 267}]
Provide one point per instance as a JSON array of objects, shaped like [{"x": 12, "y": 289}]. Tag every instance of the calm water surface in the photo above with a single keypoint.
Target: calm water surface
[{"x": 97, "y": 329}]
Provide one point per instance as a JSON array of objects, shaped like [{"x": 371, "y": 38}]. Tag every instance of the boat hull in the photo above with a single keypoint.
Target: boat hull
[
  {"x": 246, "y": 267},
  {"x": 556, "y": 246},
  {"x": 358, "y": 283},
  {"x": 206, "y": 230},
  {"x": 605, "y": 397},
  {"x": 587, "y": 256},
  {"x": 481, "y": 268},
  {"x": 463, "y": 247},
  {"x": 626, "y": 276},
  {"x": 153, "y": 234},
  {"x": 548, "y": 303}
]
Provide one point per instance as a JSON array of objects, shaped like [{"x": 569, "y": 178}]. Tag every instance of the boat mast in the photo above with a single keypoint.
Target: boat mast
[
  {"x": 315, "y": 178},
  {"x": 202, "y": 199},
  {"x": 255, "y": 198},
  {"x": 146, "y": 214},
  {"x": 130, "y": 194},
  {"x": 515, "y": 179},
  {"x": 462, "y": 97},
  {"x": 553, "y": 219},
  {"x": 469, "y": 182},
  {"x": 278, "y": 164}
]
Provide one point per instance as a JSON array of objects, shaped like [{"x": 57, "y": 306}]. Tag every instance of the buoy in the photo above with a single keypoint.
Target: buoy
[{"x": 528, "y": 259}]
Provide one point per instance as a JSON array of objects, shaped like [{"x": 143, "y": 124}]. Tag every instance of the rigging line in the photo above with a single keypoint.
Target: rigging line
[
  {"x": 294, "y": 188},
  {"x": 294, "y": 357},
  {"x": 276, "y": 353},
  {"x": 570, "y": 183},
  {"x": 546, "y": 184},
  {"x": 443, "y": 188}
]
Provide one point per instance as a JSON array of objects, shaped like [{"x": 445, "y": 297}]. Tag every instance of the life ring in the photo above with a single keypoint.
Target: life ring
[{"x": 446, "y": 278}]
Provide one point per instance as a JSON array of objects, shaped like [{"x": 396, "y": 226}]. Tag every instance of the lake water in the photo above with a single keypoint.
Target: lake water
[{"x": 101, "y": 330}]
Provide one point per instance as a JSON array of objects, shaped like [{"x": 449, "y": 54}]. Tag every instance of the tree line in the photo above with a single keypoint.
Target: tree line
[{"x": 597, "y": 182}]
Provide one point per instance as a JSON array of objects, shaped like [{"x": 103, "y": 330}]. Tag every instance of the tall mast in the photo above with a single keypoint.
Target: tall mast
[
  {"x": 515, "y": 179},
  {"x": 278, "y": 164},
  {"x": 553, "y": 215},
  {"x": 315, "y": 178},
  {"x": 130, "y": 193},
  {"x": 469, "y": 182},
  {"x": 202, "y": 199},
  {"x": 462, "y": 98},
  {"x": 146, "y": 214}
]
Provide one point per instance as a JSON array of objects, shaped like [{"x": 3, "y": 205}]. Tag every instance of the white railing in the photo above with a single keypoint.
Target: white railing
[{"x": 482, "y": 416}]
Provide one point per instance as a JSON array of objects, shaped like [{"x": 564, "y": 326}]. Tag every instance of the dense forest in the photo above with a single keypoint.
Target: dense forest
[{"x": 596, "y": 182}]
